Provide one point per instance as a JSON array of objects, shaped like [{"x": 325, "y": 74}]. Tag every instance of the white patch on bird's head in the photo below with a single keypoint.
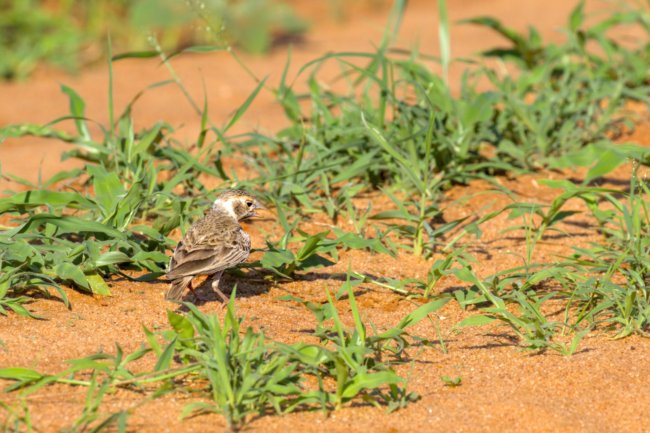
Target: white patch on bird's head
[
  {"x": 225, "y": 205},
  {"x": 238, "y": 204}
]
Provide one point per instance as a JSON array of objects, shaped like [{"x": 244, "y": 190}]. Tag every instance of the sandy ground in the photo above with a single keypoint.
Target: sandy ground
[{"x": 602, "y": 388}]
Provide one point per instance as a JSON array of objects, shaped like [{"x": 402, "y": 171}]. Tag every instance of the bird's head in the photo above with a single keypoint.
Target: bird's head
[{"x": 240, "y": 204}]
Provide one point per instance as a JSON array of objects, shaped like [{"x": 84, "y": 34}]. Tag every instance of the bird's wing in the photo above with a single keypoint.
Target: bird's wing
[{"x": 209, "y": 254}]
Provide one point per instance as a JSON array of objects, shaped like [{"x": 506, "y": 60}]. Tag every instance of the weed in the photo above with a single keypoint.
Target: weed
[
  {"x": 451, "y": 382},
  {"x": 241, "y": 372},
  {"x": 244, "y": 376},
  {"x": 60, "y": 32},
  {"x": 285, "y": 262},
  {"x": 23, "y": 26},
  {"x": 18, "y": 418},
  {"x": 359, "y": 362},
  {"x": 117, "y": 216},
  {"x": 603, "y": 285}
]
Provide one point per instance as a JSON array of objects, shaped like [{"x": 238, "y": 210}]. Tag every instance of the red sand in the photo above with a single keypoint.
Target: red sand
[{"x": 602, "y": 388}]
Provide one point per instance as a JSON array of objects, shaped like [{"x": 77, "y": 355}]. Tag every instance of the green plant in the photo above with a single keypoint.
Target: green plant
[
  {"x": 30, "y": 34},
  {"x": 244, "y": 376},
  {"x": 603, "y": 285},
  {"x": 591, "y": 48},
  {"x": 619, "y": 291},
  {"x": 240, "y": 373},
  {"x": 60, "y": 32},
  {"x": 285, "y": 262},
  {"x": 360, "y": 362},
  {"x": 532, "y": 327},
  {"x": 451, "y": 382},
  {"x": 555, "y": 113},
  {"x": 79, "y": 238},
  {"x": 91, "y": 419},
  {"x": 18, "y": 418},
  {"x": 82, "y": 226},
  {"x": 583, "y": 82}
]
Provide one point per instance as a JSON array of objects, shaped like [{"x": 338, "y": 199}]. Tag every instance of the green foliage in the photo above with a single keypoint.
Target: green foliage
[
  {"x": 117, "y": 217},
  {"x": 360, "y": 362},
  {"x": 59, "y": 32},
  {"x": 532, "y": 327},
  {"x": 591, "y": 49},
  {"x": 451, "y": 382},
  {"x": 619, "y": 292},
  {"x": 313, "y": 252},
  {"x": 602, "y": 286},
  {"x": 285, "y": 262},
  {"x": 17, "y": 418},
  {"x": 239, "y": 372},
  {"x": 245, "y": 377},
  {"x": 400, "y": 130},
  {"x": 566, "y": 96},
  {"x": 29, "y": 34}
]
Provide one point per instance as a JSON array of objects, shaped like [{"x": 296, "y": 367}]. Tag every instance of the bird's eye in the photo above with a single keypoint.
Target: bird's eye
[{"x": 249, "y": 203}]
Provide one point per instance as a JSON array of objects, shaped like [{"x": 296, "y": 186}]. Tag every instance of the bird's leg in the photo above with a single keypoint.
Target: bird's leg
[
  {"x": 215, "y": 286},
  {"x": 196, "y": 297}
]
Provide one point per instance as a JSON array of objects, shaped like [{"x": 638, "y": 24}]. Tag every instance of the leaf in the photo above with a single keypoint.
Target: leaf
[
  {"x": 315, "y": 261},
  {"x": 608, "y": 161},
  {"x": 112, "y": 258},
  {"x": 311, "y": 244},
  {"x": 70, "y": 272},
  {"x": 97, "y": 284},
  {"x": 19, "y": 373},
  {"x": 66, "y": 224},
  {"x": 277, "y": 259},
  {"x": 30, "y": 199},
  {"x": 370, "y": 381},
  {"x": 466, "y": 274},
  {"x": 242, "y": 109},
  {"x": 146, "y": 141},
  {"x": 181, "y": 325},
  {"x": 561, "y": 215},
  {"x": 135, "y": 55},
  {"x": 498, "y": 27},
  {"x": 478, "y": 320},
  {"x": 451, "y": 381},
  {"x": 421, "y": 312},
  {"x": 165, "y": 358},
  {"x": 151, "y": 339},
  {"x": 577, "y": 17},
  {"x": 198, "y": 407},
  {"x": 77, "y": 110},
  {"x": 108, "y": 189}
]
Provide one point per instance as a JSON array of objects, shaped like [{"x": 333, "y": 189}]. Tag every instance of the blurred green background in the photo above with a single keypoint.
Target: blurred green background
[{"x": 69, "y": 33}]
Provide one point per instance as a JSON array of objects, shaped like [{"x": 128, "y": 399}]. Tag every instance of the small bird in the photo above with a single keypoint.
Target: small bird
[{"x": 213, "y": 244}]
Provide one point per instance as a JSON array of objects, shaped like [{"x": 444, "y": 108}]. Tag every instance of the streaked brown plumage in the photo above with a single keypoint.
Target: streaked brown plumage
[{"x": 213, "y": 244}]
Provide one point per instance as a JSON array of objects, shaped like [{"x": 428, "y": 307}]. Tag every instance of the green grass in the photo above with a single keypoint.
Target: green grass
[
  {"x": 562, "y": 109},
  {"x": 239, "y": 372},
  {"x": 65, "y": 33},
  {"x": 601, "y": 287},
  {"x": 115, "y": 216}
]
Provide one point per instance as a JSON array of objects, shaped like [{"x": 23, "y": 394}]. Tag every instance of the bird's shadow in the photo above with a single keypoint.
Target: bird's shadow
[
  {"x": 250, "y": 284},
  {"x": 204, "y": 294}
]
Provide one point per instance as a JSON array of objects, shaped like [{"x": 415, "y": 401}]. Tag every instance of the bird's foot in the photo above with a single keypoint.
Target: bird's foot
[{"x": 223, "y": 297}]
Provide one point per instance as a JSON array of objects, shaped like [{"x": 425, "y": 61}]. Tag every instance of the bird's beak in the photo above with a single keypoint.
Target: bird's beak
[{"x": 257, "y": 205}]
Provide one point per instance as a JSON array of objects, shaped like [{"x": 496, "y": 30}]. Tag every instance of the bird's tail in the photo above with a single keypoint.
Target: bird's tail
[{"x": 175, "y": 292}]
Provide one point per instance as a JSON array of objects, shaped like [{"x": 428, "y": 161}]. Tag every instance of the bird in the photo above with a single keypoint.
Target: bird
[{"x": 213, "y": 244}]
